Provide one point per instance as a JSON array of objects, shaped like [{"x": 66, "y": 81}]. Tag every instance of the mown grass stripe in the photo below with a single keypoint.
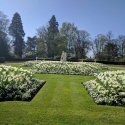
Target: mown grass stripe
[{"x": 62, "y": 101}]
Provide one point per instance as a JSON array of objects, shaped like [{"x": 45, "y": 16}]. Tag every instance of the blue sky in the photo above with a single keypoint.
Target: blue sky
[{"x": 94, "y": 16}]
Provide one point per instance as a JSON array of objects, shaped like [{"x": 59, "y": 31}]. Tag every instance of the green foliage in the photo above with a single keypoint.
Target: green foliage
[
  {"x": 111, "y": 51},
  {"x": 108, "y": 88},
  {"x": 18, "y": 84},
  {"x": 30, "y": 49},
  {"x": 60, "y": 45},
  {"x": 72, "y": 59},
  {"x": 2, "y": 59},
  {"x": 4, "y": 45},
  {"x": 69, "y": 39},
  {"x": 4, "y": 21},
  {"x": 52, "y": 33},
  {"x": 121, "y": 46},
  {"x": 106, "y": 48},
  {"x": 69, "y": 31},
  {"x": 40, "y": 48},
  {"x": 4, "y": 49},
  {"x": 82, "y": 44},
  {"x": 57, "y": 58},
  {"x": 17, "y": 32},
  {"x": 98, "y": 46}
]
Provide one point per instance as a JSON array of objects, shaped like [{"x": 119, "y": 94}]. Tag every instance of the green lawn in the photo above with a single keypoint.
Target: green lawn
[
  {"x": 19, "y": 66},
  {"x": 62, "y": 101}
]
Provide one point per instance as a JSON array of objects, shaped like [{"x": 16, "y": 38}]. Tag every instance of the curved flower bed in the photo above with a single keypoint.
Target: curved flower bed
[
  {"x": 108, "y": 88},
  {"x": 31, "y": 63},
  {"x": 18, "y": 84},
  {"x": 57, "y": 67}
]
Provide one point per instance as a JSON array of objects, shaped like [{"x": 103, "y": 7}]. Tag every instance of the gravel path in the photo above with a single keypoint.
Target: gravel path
[
  {"x": 118, "y": 67},
  {"x": 10, "y": 63}
]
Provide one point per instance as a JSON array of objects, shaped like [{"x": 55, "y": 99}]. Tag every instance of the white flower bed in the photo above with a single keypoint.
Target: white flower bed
[
  {"x": 31, "y": 63},
  {"x": 108, "y": 88},
  {"x": 57, "y": 67},
  {"x": 17, "y": 84}
]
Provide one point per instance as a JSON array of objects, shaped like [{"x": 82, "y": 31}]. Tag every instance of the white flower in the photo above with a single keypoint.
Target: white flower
[
  {"x": 122, "y": 94},
  {"x": 4, "y": 73},
  {"x": 123, "y": 100}
]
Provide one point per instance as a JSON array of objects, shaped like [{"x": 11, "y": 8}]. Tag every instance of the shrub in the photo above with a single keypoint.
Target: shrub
[
  {"x": 57, "y": 58},
  {"x": 72, "y": 59},
  {"x": 2, "y": 59}
]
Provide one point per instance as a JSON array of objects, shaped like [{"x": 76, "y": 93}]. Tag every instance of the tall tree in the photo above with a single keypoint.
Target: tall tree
[
  {"x": 31, "y": 46},
  {"x": 42, "y": 37},
  {"x": 52, "y": 33},
  {"x": 69, "y": 30},
  {"x": 61, "y": 45},
  {"x": 4, "y": 40},
  {"x": 4, "y": 48},
  {"x": 109, "y": 37},
  {"x": 42, "y": 32},
  {"x": 121, "y": 45},
  {"x": 98, "y": 46},
  {"x": 111, "y": 51},
  {"x": 17, "y": 32},
  {"x": 40, "y": 47},
  {"x": 4, "y": 21},
  {"x": 83, "y": 43}
]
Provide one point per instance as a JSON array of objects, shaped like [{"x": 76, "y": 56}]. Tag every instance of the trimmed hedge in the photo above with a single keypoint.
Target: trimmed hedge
[
  {"x": 2, "y": 59},
  {"x": 26, "y": 59},
  {"x": 106, "y": 62},
  {"x": 57, "y": 58},
  {"x": 72, "y": 59},
  {"x": 114, "y": 63}
]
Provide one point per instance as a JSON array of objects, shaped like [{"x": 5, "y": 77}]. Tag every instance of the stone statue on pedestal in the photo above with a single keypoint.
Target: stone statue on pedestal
[{"x": 63, "y": 56}]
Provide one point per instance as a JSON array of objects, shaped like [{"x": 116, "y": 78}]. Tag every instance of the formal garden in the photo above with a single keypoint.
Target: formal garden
[
  {"x": 60, "y": 74},
  {"x": 54, "y": 92}
]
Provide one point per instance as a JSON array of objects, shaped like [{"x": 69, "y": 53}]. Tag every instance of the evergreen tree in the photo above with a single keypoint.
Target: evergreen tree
[
  {"x": 17, "y": 32},
  {"x": 52, "y": 33}
]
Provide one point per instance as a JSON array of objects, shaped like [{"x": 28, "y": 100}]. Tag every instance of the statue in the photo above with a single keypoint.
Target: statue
[{"x": 63, "y": 56}]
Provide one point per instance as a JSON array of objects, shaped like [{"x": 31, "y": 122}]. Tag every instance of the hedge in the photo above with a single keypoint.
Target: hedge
[{"x": 2, "y": 59}]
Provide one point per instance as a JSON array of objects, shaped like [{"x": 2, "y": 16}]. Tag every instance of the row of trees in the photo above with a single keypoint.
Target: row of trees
[
  {"x": 50, "y": 41},
  {"x": 15, "y": 45},
  {"x": 78, "y": 42},
  {"x": 68, "y": 38},
  {"x": 105, "y": 47}
]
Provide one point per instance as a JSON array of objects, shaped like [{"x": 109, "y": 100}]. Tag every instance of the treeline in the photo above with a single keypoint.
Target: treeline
[{"x": 50, "y": 41}]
